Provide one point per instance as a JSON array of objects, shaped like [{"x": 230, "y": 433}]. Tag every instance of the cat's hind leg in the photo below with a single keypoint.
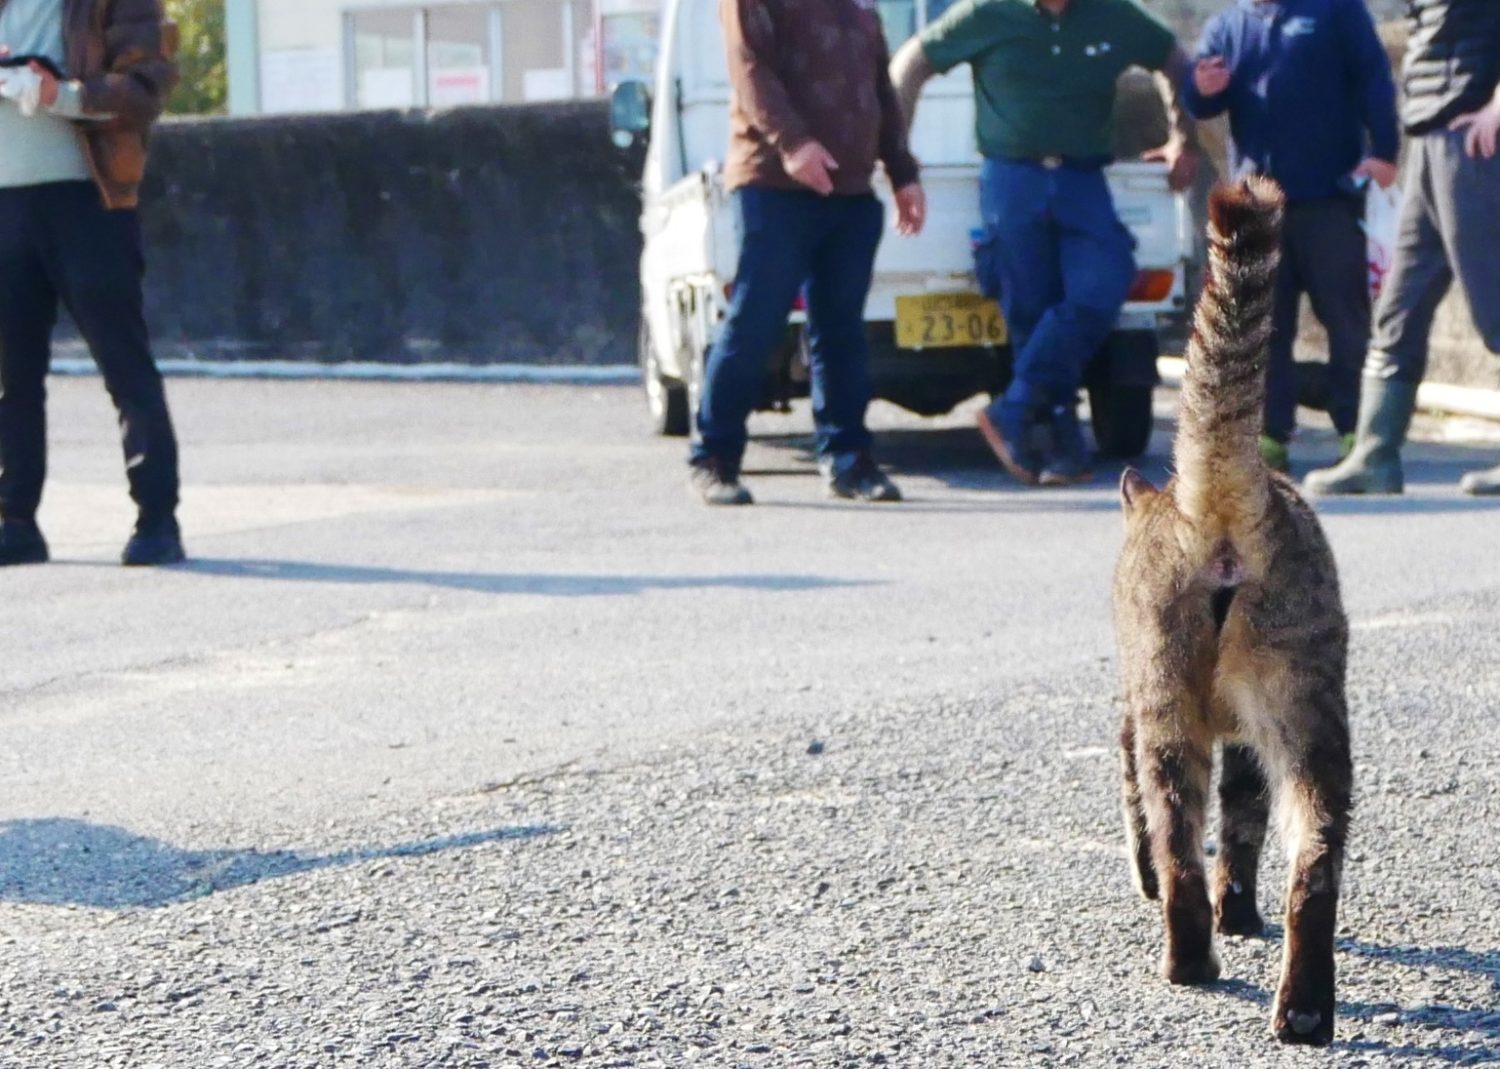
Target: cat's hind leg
[
  {"x": 1244, "y": 809},
  {"x": 1137, "y": 837},
  {"x": 1317, "y": 798},
  {"x": 1175, "y": 769}
]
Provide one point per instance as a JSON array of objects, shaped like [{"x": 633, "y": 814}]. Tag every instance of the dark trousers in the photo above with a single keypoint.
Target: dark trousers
[
  {"x": 1065, "y": 264},
  {"x": 788, "y": 240},
  {"x": 1323, "y": 254},
  {"x": 58, "y": 243},
  {"x": 1450, "y": 226}
]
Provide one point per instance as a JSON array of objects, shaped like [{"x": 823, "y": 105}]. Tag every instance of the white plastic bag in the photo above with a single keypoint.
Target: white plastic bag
[
  {"x": 1382, "y": 219},
  {"x": 24, "y": 86}
]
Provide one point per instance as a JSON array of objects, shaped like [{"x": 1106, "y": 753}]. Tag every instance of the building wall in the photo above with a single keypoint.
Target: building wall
[{"x": 476, "y": 235}]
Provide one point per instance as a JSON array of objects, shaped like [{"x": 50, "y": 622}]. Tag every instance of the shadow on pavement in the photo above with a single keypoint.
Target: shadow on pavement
[
  {"x": 561, "y": 586},
  {"x": 1477, "y": 1020},
  {"x": 62, "y": 862}
]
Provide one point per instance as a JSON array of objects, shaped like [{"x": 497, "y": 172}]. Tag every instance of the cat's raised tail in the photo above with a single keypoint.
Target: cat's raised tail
[{"x": 1222, "y": 484}]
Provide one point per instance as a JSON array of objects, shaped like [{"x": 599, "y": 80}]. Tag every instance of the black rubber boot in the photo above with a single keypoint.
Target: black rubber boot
[{"x": 1373, "y": 466}]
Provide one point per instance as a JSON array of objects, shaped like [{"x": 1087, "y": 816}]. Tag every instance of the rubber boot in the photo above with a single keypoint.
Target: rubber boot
[
  {"x": 1484, "y": 483},
  {"x": 1373, "y": 466}
]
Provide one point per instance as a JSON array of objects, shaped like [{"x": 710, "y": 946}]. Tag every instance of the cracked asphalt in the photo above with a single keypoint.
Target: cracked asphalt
[{"x": 468, "y": 739}]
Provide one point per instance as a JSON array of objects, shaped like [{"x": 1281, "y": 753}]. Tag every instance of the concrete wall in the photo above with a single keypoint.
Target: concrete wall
[{"x": 477, "y": 236}]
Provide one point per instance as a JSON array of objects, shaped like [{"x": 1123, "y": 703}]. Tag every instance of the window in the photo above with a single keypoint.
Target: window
[
  {"x": 385, "y": 58},
  {"x": 465, "y": 53}
]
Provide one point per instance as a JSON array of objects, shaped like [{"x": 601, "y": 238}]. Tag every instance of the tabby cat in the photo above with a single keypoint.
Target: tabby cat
[{"x": 1231, "y": 629}]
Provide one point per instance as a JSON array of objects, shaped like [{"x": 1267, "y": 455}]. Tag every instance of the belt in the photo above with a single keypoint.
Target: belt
[{"x": 1054, "y": 163}]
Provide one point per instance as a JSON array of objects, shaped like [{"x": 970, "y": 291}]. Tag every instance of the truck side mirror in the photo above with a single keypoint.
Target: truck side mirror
[{"x": 629, "y": 113}]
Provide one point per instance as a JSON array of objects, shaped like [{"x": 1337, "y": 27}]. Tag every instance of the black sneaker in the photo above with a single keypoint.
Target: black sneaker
[
  {"x": 861, "y": 480},
  {"x": 154, "y": 542},
  {"x": 21, "y": 543},
  {"x": 1071, "y": 461},
  {"x": 716, "y": 483}
]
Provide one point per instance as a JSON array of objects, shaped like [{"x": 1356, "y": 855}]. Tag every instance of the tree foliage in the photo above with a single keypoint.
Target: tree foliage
[{"x": 204, "y": 88}]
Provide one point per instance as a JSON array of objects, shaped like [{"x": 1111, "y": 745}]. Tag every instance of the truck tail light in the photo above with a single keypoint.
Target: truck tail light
[{"x": 1153, "y": 284}]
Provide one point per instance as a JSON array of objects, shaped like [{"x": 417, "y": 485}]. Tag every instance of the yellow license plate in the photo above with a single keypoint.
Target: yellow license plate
[{"x": 948, "y": 321}]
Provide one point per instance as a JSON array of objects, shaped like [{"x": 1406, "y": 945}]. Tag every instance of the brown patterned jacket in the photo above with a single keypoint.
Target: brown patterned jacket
[
  {"x": 811, "y": 69},
  {"x": 121, "y": 52}
]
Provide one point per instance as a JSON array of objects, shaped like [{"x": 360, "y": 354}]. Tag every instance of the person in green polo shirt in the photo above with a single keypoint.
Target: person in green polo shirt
[{"x": 1045, "y": 73}]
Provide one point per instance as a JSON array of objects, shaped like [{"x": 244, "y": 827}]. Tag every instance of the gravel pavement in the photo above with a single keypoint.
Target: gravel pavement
[{"x": 469, "y": 740}]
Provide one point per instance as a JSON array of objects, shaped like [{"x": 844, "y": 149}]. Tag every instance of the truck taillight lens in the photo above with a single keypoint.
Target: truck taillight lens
[{"x": 1152, "y": 285}]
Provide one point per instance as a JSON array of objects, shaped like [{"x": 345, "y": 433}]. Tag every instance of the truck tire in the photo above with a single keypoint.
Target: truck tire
[
  {"x": 666, "y": 399},
  {"x": 1122, "y": 419}
]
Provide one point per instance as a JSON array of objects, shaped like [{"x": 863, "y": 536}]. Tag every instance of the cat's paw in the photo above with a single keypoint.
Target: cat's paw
[
  {"x": 1189, "y": 970},
  {"x": 1303, "y": 1016},
  {"x": 1237, "y": 915}
]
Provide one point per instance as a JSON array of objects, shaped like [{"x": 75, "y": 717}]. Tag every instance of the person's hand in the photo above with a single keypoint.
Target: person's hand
[
  {"x": 1211, "y": 76},
  {"x": 1484, "y": 130},
  {"x": 911, "y": 209},
  {"x": 812, "y": 166},
  {"x": 49, "y": 84},
  {"x": 1381, "y": 172},
  {"x": 1182, "y": 163}
]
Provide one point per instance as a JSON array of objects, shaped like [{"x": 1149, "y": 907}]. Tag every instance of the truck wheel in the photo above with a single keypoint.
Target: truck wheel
[
  {"x": 666, "y": 399},
  {"x": 1122, "y": 420}
]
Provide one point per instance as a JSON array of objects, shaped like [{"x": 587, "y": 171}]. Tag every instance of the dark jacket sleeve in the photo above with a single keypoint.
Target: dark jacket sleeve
[
  {"x": 1371, "y": 69},
  {"x": 139, "y": 73},
  {"x": 895, "y": 151},
  {"x": 1212, "y": 43},
  {"x": 750, "y": 38}
]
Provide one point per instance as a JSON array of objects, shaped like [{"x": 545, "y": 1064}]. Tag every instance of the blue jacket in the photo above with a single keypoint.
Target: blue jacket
[{"x": 1310, "y": 93}]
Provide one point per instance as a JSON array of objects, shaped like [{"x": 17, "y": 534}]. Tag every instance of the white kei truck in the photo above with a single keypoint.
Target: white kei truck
[{"x": 935, "y": 341}]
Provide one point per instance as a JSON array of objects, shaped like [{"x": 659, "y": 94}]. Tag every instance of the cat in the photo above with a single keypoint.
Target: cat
[{"x": 1231, "y": 629}]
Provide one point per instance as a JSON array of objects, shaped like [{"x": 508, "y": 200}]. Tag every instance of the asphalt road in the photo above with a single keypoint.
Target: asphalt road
[{"x": 468, "y": 739}]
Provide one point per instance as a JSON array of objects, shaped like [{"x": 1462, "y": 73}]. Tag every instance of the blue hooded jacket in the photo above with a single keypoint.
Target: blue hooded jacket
[{"x": 1310, "y": 93}]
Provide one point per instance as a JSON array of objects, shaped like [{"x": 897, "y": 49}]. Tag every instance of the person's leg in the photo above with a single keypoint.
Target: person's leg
[
  {"x": 1097, "y": 258},
  {"x": 1333, "y": 264},
  {"x": 28, "y": 311},
  {"x": 840, "y": 269},
  {"x": 1467, "y": 199},
  {"x": 1281, "y": 377},
  {"x": 97, "y": 258},
  {"x": 772, "y": 267},
  {"x": 1014, "y": 204},
  {"x": 1419, "y": 278}
]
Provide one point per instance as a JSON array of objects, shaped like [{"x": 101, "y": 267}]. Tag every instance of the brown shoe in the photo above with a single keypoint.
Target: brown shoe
[{"x": 1008, "y": 444}]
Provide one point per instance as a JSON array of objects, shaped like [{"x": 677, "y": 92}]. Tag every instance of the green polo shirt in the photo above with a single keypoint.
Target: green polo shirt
[{"x": 1045, "y": 86}]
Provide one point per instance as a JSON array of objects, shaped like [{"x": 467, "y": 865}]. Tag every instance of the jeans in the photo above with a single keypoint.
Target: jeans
[
  {"x": 1322, "y": 255},
  {"x": 59, "y": 243},
  {"x": 791, "y": 242},
  {"x": 1065, "y": 264},
  {"x": 1450, "y": 225}
]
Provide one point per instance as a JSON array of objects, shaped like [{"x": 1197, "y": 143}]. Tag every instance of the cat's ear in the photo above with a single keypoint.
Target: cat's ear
[{"x": 1135, "y": 489}]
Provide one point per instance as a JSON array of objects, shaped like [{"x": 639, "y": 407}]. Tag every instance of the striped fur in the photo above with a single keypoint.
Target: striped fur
[
  {"x": 1232, "y": 635},
  {"x": 1221, "y": 479}
]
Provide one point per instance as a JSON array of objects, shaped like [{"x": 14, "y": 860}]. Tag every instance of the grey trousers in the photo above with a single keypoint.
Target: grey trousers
[{"x": 1450, "y": 226}]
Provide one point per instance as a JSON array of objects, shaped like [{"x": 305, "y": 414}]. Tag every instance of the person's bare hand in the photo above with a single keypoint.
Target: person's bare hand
[
  {"x": 1182, "y": 164},
  {"x": 1381, "y": 172},
  {"x": 49, "y": 84},
  {"x": 911, "y": 209},
  {"x": 1484, "y": 130},
  {"x": 1211, "y": 76},
  {"x": 812, "y": 166}
]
